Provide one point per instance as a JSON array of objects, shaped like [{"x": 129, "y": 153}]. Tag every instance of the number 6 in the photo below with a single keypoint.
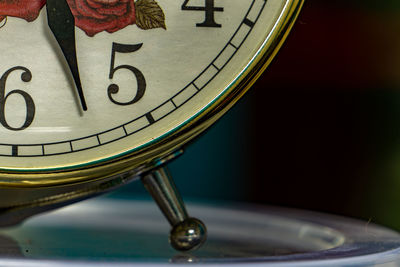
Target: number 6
[{"x": 30, "y": 105}]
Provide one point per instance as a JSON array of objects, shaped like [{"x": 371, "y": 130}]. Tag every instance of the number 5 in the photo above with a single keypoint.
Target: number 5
[{"x": 141, "y": 82}]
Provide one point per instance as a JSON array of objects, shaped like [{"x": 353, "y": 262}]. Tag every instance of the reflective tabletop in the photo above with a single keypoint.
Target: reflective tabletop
[{"x": 110, "y": 232}]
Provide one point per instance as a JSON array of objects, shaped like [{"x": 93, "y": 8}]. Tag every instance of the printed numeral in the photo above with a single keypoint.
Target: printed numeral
[{"x": 209, "y": 9}]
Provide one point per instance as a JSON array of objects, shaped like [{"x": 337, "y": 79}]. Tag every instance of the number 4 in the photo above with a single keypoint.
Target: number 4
[{"x": 209, "y": 8}]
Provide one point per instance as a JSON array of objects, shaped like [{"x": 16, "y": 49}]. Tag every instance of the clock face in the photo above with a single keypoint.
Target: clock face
[{"x": 147, "y": 69}]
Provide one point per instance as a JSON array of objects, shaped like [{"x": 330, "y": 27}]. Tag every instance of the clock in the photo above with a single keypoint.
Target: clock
[{"x": 96, "y": 93}]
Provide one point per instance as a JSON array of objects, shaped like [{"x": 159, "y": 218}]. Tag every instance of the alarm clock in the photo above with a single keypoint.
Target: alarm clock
[{"x": 94, "y": 94}]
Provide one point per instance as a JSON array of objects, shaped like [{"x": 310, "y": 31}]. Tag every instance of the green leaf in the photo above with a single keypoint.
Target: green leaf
[{"x": 149, "y": 15}]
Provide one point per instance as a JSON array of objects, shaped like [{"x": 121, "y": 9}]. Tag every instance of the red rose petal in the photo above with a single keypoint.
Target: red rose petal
[
  {"x": 128, "y": 19},
  {"x": 94, "y": 16},
  {"x": 72, "y": 6},
  {"x": 92, "y": 26},
  {"x": 94, "y": 4},
  {"x": 118, "y": 10},
  {"x": 111, "y": 2},
  {"x": 85, "y": 10},
  {"x": 25, "y": 9}
]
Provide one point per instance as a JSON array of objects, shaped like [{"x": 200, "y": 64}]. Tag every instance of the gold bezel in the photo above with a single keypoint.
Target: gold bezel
[{"x": 147, "y": 157}]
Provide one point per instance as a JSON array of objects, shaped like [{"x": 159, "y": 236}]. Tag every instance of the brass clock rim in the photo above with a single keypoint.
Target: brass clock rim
[{"x": 149, "y": 156}]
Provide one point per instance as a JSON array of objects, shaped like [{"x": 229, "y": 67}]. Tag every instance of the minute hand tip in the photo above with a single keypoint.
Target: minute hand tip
[{"x": 62, "y": 23}]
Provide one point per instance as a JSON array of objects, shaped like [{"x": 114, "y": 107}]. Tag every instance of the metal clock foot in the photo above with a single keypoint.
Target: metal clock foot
[{"x": 187, "y": 233}]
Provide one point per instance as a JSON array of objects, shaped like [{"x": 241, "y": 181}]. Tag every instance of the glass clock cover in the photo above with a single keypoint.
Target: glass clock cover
[{"x": 146, "y": 70}]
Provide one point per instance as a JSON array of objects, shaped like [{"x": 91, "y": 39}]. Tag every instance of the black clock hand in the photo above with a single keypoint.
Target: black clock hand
[{"x": 62, "y": 24}]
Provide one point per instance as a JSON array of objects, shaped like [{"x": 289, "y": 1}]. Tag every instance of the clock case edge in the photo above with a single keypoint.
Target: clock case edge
[{"x": 57, "y": 188}]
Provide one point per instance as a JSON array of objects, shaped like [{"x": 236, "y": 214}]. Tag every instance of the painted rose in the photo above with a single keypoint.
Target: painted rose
[
  {"x": 25, "y": 9},
  {"x": 94, "y": 16}
]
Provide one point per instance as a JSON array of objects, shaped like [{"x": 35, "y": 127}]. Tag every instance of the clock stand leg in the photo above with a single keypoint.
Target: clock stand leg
[{"x": 187, "y": 233}]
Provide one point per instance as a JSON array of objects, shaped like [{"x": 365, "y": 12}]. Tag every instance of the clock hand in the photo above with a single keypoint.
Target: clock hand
[{"x": 62, "y": 23}]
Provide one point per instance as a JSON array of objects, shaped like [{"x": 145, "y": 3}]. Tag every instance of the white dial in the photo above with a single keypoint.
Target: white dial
[{"x": 147, "y": 68}]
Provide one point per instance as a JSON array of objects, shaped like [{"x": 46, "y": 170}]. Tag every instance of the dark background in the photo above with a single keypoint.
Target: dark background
[{"x": 320, "y": 130}]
